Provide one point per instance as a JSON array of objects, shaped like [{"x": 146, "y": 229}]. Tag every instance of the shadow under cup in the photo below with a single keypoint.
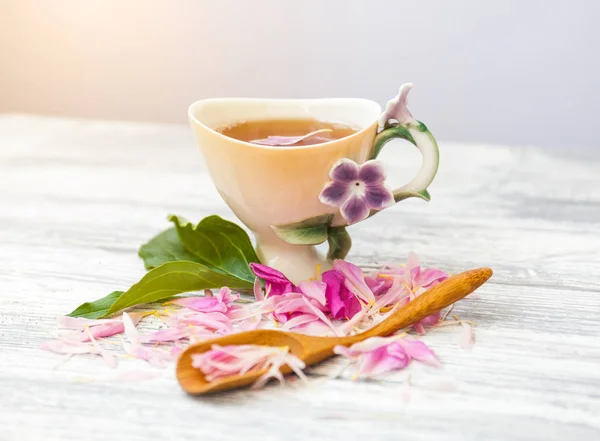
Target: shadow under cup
[{"x": 266, "y": 185}]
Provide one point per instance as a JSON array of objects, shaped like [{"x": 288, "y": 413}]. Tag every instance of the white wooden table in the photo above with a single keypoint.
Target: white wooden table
[{"x": 78, "y": 197}]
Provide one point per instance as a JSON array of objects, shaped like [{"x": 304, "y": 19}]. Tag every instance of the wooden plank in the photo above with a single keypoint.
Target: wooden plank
[{"x": 78, "y": 197}]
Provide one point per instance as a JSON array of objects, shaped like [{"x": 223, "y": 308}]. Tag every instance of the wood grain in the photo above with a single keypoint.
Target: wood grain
[{"x": 78, "y": 197}]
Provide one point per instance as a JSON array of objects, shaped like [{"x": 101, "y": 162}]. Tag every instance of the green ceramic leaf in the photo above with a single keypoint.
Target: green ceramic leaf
[
  {"x": 97, "y": 308},
  {"x": 219, "y": 244},
  {"x": 165, "y": 247},
  {"x": 311, "y": 231},
  {"x": 401, "y": 195},
  {"x": 339, "y": 243}
]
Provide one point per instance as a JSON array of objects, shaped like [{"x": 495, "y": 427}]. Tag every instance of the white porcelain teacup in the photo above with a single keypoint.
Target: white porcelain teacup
[{"x": 276, "y": 191}]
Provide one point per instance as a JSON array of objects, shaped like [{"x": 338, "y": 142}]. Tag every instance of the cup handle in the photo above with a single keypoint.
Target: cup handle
[
  {"x": 417, "y": 134},
  {"x": 397, "y": 122}
]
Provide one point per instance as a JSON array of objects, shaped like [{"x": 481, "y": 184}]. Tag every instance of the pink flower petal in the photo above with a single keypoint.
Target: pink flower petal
[
  {"x": 155, "y": 357},
  {"x": 107, "y": 356},
  {"x": 299, "y": 320},
  {"x": 275, "y": 282},
  {"x": 383, "y": 360},
  {"x": 467, "y": 337},
  {"x": 419, "y": 351},
  {"x": 289, "y": 140},
  {"x": 216, "y": 321},
  {"x": 413, "y": 261},
  {"x": 342, "y": 303},
  {"x": 258, "y": 292},
  {"x": 225, "y": 361},
  {"x": 165, "y": 335},
  {"x": 355, "y": 280},
  {"x": 378, "y": 355},
  {"x": 314, "y": 289},
  {"x": 430, "y": 277},
  {"x": 103, "y": 330},
  {"x": 202, "y": 304}
]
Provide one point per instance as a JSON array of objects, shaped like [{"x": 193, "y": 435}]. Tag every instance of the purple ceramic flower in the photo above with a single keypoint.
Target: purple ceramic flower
[
  {"x": 357, "y": 189},
  {"x": 396, "y": 109}
]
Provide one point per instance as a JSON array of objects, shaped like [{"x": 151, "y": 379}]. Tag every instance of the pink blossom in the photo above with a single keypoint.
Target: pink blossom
[
  {"x": 222, "y": 302},
  {"x": 297, "y": 309},
  {"x": 467, "y": 337},
  {"x": 276, "y": 283},
  {"x": 355, "y": 281},
  {"x": 213, "y": 321},
  {"x": 416, "y": 281},
  {"x": 77, "y": 348},
  {"x": 226, "y": 361},
  {"x": 97, "y": 328},
  {"x": 135, "y": 348},
  {"x": 379, "y": 355},
  {"x": 342, "y": 303}
]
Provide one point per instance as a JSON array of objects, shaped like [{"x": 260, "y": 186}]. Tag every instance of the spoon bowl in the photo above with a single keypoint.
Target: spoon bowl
[{"x": 314, "y": 349}]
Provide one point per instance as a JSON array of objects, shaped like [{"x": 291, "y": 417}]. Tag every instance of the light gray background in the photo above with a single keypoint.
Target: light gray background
[{"x": 510, "y": 72}]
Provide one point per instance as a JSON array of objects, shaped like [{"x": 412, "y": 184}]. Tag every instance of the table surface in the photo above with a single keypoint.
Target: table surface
[{"x": 78, "y": 197}]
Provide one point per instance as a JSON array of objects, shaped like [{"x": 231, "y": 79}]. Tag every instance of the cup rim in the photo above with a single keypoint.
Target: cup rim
[{"x": 359, "y": 133}]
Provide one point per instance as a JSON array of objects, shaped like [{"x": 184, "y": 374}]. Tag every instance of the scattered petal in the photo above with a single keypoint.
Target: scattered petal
[
  {"x": 342, "y": 303},
  {"x": 275, "y": 282},
  {"x": 467, "y": 337},
  {"x": 227, "y": 361},
  {"x": 379, "y": 355},
  {"x": 355, "y": 281},
  {"x": 313, "y": 289}
]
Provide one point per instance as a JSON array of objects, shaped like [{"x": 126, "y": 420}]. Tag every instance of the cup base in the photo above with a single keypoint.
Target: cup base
[{"x": 297, "y": 262}]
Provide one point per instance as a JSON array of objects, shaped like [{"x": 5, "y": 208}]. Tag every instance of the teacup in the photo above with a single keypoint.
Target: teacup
[{"x": 296, "y": 197}]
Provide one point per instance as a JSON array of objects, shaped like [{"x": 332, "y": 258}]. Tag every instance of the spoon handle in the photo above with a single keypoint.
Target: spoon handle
[{"x": 431, "y": 301}]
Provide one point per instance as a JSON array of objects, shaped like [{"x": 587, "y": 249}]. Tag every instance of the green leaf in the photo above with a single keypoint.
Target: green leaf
[
  {"x": 165, "y": 247},
  {"x": 97, "y": 308},
  {"x": 159, "y": 284},
  {"x": 218, "y": 244},
  {"x": 311, "y": 231},
  {"x": 174, "y": 278}
]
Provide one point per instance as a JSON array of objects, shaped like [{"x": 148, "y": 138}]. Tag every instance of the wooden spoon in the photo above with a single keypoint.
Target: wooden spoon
[{"x": 312, "y": 349}]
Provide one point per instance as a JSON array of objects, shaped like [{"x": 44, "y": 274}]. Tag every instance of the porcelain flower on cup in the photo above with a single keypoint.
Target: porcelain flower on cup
[
  {"x": 357, "y": 189},
  {"x": 396, "y": 108}
]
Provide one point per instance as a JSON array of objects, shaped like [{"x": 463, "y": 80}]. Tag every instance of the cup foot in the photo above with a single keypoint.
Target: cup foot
[{"x": 297, "y": 262}]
